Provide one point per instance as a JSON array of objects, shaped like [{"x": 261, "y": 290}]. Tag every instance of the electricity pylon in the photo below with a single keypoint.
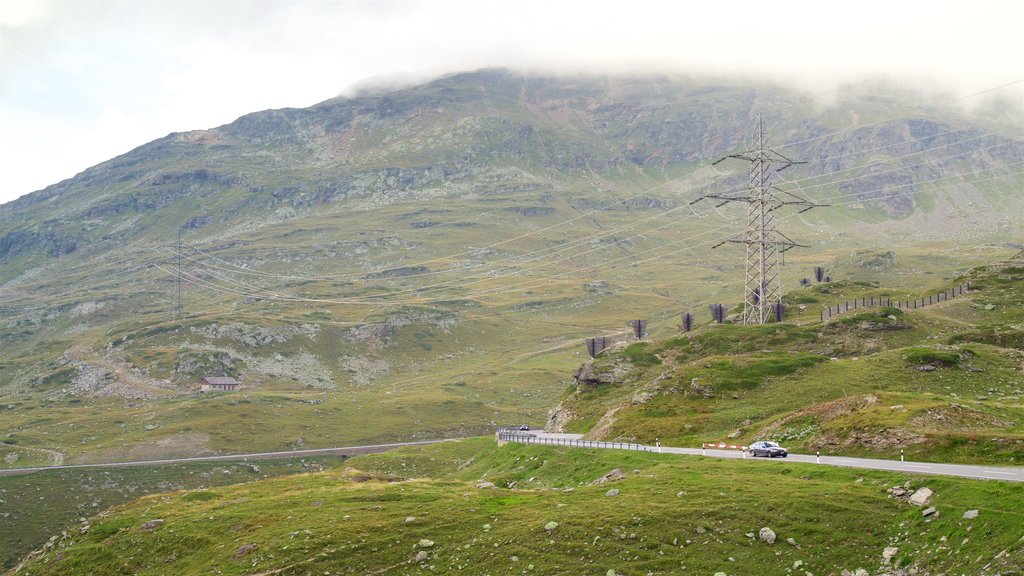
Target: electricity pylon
[{"x": 763, "y": 287}]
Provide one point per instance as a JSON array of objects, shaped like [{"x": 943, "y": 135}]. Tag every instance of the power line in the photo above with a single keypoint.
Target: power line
[
  {"x": 540, "y": 254},
  {"x": 534, "y": 283}
]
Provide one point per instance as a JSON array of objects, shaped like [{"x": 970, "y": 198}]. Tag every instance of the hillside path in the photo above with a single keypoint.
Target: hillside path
[{"x": 337, "y": 451}]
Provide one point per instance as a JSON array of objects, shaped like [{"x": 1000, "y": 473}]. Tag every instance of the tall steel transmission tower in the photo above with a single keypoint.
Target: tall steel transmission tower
[{"x": 765, "y": 244}]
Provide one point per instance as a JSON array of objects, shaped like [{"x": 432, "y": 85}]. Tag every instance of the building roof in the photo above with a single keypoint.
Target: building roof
[{"x": 220, "y": 380}]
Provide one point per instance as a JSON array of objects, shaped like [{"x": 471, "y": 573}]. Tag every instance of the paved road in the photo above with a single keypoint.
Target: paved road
[
  {"x": 966, "y": 471},
  {"x": 339, "y": 451}
]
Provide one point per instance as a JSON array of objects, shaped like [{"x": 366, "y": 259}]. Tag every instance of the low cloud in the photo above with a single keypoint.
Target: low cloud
[{"x": 104, "y": 77}]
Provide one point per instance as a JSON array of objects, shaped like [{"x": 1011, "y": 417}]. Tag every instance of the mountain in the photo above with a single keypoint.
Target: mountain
[{"x": 424, "y": 261}]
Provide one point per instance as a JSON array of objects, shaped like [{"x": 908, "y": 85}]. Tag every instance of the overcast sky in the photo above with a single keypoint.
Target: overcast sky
[{"x": 81, "y": 82}]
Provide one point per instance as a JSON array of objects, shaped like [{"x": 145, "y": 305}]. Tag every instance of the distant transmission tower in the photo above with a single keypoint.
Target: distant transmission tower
[
  {"x": 763, "y": 240},
  {"x": 179, "y": 308}
]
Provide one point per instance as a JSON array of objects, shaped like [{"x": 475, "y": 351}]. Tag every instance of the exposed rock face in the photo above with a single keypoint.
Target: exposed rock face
[
  {"x": 558, "y": 417},
  {"x": 256, "y": 336},
  {"x": 878, "y": 261},
  {"x": 590, "y": 375}
]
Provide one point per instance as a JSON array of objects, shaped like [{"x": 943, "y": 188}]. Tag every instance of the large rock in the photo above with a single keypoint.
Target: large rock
[
  {"x": 767, "y": 534},
  {"x": 888, "y": 554},
  {"x": 151, "y": 524},
  {"x": 921, "y": 497},
  {"x": 612, "y": 492},
  {"x": 970, "y": 515},
  {"x": 612, "y": 476}
]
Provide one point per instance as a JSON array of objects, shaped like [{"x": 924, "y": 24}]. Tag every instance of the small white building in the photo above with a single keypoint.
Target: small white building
[{"x": 218, "y": 384}]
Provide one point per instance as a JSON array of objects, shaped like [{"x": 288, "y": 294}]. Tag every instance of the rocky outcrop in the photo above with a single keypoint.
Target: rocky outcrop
[{"x": 256, "y": 336}]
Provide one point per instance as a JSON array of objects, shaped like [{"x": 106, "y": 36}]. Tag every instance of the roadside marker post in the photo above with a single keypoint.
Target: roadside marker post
[
  {"x": 901, "y": 454},
  {"x": 817, "y": 456},
  {"x": 657, "y": 442}
]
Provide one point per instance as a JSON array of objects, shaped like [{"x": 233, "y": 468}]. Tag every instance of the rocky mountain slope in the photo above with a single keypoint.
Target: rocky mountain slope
[{"x": 425, "y": 260}]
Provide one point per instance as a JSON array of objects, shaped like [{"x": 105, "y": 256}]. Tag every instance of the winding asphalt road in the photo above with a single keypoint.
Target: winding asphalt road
[
  {"x": 339, "y": 451},
  {"x": 965, "y": 471},
  {"x": 574, "y": 440}
]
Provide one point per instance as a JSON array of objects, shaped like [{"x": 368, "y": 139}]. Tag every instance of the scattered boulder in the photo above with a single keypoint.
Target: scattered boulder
[
  {"x": 151, "y": 524},
  {"x": 612, "y": 492},
  {"x": 792, "y": 543},
  {"x": 612, "y": 476},
  {"x": 410, "y": 519},
  {"x": 899, "y": 493},
  {"x": 928, "y": 511},
  {"x": 485, "y": 485},
  {"x": 888, "y": 553},
  {"x": 243, "y": 550},
  {"x": 421, "y": 556},
  {"x": 970, "y": 515},
  {"x": 921, "y": 497},
  {"x": 551, "y": 526},
  {"x": 767, "y": 534},
  {"x": 424, "y": 543}
]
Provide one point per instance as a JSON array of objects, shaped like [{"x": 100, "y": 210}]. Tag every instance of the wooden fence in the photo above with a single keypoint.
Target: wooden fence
[{"x": 832, "y": 311}]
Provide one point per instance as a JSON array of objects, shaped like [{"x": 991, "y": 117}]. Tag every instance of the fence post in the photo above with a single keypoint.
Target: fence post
[{"x": 703, "y": 450}]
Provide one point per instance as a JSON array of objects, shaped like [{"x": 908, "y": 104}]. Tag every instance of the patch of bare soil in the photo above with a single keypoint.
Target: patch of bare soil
[
  {"x": 825, "y": 411},
  {"x": 175, "y": 446},
  {"x": 957, "y": 417},
  {"x": 880, "y": 440}
]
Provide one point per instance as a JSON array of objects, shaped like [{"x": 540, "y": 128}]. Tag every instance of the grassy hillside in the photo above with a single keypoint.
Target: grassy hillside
[
  {"x": 421, "y": 511},
  {"x": 35, "y": 506},
  {"x": 942, "y": 383}
]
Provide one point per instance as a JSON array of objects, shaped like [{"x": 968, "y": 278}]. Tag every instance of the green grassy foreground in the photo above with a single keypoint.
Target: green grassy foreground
[
  {"x": 35, "y": 506},
  {"x": 419, "y": 510}
]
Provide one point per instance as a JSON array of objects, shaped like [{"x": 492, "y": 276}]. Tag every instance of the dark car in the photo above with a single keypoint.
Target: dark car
[
  {"x": 524, "y": 427},
  {"x": 769, "y": 449}
]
